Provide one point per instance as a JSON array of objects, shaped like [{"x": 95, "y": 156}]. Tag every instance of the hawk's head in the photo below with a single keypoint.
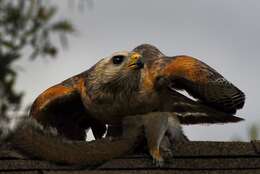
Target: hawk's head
[{"x": 120, "y": 72}]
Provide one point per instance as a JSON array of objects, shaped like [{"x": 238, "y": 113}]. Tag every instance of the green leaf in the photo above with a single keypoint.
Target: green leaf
[{"x": 64, "y": 26}]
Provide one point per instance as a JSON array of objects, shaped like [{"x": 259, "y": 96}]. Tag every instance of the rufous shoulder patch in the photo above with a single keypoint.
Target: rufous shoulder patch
[
  {"x": 186, "y": 67},
  {"x": 48, "y": 96}
]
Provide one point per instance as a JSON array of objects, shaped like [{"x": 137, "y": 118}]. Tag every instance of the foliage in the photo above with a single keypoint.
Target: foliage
[{"x": 25, "y": 25}]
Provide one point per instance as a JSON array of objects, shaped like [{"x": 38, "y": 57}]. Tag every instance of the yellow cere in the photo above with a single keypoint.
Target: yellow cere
[{"x": 135, "y": 56}]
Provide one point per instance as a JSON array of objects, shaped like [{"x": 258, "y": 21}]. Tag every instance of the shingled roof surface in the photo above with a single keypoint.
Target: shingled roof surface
[{"x": 189, "y": 158}]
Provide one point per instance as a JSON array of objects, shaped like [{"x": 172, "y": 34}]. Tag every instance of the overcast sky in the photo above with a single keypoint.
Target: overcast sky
[{"x": 223, "y": 33}]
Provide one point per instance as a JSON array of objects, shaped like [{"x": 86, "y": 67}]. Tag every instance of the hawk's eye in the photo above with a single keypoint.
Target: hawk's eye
[{"x": 118, "y": 59}]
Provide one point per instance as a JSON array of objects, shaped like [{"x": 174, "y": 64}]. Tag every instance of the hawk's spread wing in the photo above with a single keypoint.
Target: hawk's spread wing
[
  {"x": 202, "y": 82},
  {"x": 60, "y": 106}
]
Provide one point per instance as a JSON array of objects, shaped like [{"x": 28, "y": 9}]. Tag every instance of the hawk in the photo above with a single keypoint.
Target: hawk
[{"x": 137, "y": 82}]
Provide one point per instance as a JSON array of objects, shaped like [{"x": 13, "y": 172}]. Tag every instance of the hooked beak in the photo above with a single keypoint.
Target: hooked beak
[{"x": 136, "y": 61}]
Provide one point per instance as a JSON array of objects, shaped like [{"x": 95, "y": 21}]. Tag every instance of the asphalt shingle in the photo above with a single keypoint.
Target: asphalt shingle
[{"x": 193, "y": 158}]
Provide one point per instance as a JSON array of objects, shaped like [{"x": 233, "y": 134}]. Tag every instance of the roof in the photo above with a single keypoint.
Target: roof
[{"x": 197, "y": 157}]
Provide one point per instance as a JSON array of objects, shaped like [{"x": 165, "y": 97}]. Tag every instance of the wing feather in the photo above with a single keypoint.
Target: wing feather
[
  {"x": 192, "y": 112},
  {"x": 203, "y": 82},
  {"x": 61, "y": 107}
]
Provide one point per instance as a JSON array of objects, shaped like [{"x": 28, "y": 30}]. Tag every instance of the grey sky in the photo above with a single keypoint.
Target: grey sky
[{"x": 223, "y": 33}]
